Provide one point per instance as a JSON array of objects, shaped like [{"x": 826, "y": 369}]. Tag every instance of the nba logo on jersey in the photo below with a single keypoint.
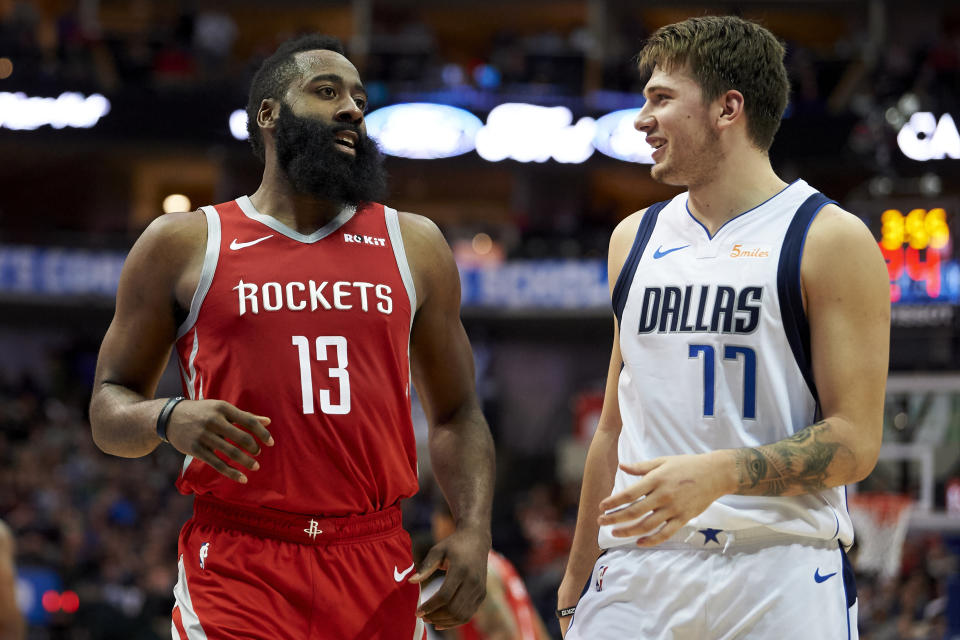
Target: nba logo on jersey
[
  {"x": 600, "y": 571},
  {"x": 204, "y": 550}
]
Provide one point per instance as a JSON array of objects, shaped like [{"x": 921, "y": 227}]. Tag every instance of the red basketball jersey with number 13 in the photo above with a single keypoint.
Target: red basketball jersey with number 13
[{"x": 313, "y": 332}]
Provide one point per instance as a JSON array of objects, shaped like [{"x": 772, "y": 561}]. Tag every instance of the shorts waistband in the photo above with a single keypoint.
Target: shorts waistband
[
  {"x": 294, "y": 527},
  {"x": 722, "y": 540}
]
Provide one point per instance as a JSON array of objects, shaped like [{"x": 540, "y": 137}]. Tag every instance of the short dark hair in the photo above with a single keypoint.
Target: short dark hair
[
  {"x": 274, "y": 75},
  {"x": 723, "y": 53}
]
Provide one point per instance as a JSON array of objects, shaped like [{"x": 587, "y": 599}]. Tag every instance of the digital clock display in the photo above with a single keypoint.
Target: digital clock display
[{"x": 917, "y": 244}]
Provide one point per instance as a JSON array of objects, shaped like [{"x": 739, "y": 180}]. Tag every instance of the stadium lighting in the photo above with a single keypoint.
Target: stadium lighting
[
  {"x": 532, "y": 133},
  {"x": 423, "y": 130},
  {"x": 923, "y": 138},
  {"x": 618, "y": 138},
  {"x": 238, "y": 124},
  {"x": 18, "y": 111}
]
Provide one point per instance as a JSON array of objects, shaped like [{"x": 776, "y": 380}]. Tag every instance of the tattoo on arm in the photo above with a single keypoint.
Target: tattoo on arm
[{"x": 800, "y": 463}]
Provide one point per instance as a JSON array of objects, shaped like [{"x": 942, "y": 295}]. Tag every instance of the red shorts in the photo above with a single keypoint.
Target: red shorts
[{"x": 247, "y": 573}]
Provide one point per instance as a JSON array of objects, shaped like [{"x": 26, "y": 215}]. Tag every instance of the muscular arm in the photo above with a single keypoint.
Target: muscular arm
[
  {"x": 847, "y": 303},
  {"x": 849, "y": 333},
  {"x": 137, "y": 344},
  {"x": 159, "y": 278},
  {"x": 601, "y": 465},
  {"x": 461, "y": 449}
]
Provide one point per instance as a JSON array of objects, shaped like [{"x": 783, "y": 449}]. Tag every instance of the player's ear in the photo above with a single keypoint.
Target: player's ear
[
  {"x": 268, "y": 113},
  {"x": 731, "y": 108}
]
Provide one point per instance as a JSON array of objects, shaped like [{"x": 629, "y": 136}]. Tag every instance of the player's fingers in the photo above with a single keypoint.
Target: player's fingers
[
  {"x": 206, "y": 454},
  {"x": 627, "y": 512},
  {"x": 641, "y": 468},
  {"x": 251, "y": 422},
  {"x": 237, "y": 455},
  {"x": 646, "y": 526},
  {"x": 665, "y": 533},
  {"x": 437, "y": 605},
  {"x": 228, "y": 431},
  {"x": 431, "y": 563},
  {"x": 627, "y": 496}
]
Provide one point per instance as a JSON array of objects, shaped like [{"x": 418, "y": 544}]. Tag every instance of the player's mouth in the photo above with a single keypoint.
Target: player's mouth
[
  {"x": 347, "y": 141},
  {"x": 658, "y": 145}
]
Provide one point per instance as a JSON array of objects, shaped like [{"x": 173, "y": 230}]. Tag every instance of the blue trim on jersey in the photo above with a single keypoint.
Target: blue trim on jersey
[
  {"x": 622, "y": 289},
  {"x": 794, "y": 318},
  {"x": 707, "y": 231},
  {"x": 849, "y": 579}
]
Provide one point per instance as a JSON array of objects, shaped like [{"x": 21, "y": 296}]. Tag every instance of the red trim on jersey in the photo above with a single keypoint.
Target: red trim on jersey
[{"x": 178, "y": 623}]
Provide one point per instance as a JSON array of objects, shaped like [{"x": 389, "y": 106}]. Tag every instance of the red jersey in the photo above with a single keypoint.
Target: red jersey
[
  {"x": 312, "y": 331},
  {"x": 521, "y": 607}
]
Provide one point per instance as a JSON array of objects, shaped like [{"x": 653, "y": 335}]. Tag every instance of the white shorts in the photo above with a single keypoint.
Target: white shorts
[{"x": 759, "y": 584}]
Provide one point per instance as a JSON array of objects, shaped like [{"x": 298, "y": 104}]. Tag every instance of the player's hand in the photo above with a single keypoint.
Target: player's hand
[
  {"x": 201, "y": 428},
  {"x": 672, "y": 491},
  {"x": 463, "y": 555}
]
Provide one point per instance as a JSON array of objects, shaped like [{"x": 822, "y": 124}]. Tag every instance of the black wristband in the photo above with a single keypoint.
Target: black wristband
[
  {"x": 164, "y": 418},
  {"x": 566, "y": 613}
]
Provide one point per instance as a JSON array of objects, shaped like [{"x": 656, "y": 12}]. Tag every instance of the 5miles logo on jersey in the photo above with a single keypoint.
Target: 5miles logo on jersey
[{"x": 749, "y": 251}]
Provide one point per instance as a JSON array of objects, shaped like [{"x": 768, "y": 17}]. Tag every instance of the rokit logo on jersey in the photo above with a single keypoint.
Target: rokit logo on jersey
[
  {"x": 359, "y": 239},
  {"x": 296, "y": 296},
  {"x": 741, "y": 251},
  {"x": 703, "y": 309}
]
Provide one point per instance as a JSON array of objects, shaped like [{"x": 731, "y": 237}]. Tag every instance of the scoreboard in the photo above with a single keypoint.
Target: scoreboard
[
  {"x": 917, "y": 240},
  {"x": 917, "y": 245}
]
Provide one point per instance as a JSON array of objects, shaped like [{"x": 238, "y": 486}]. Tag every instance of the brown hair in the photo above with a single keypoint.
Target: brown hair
[{"x": 723, "y": 53}]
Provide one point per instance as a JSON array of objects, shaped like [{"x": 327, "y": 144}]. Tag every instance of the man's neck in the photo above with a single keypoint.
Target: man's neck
[
  {"x": 303, "y": 213},
  {"x": 737, "y": 187}
]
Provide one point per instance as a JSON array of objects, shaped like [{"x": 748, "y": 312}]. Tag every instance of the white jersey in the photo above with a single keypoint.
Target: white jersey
[{"x": 716, "y": 352}]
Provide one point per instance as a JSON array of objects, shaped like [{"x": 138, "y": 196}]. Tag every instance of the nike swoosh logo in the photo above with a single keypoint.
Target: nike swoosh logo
[
  {"x": 820, "y": 578},
  {"x": 400, "y": 575},
  {"x": 659, "y": 253},
  {"x": 240, "y": 245}
]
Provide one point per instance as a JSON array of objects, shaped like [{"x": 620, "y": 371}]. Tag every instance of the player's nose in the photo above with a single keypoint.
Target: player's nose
[{"x": 644, "y": 121}]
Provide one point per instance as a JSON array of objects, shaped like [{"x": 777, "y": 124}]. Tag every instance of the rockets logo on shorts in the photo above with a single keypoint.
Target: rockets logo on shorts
[
  {"x": 204, "y": 551},
  {"x": 602, "y": 570}
]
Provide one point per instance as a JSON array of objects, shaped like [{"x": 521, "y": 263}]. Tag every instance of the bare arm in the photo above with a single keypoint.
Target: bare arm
[
  {"x": 158, "y": 280},
  {"x": 12, "y": 626},
  {"x": 601, "y": 465},
  {"x": 847, "y": 302},
  {"x": 850, "y": 334},
  {"x": 461, "y": 449}
]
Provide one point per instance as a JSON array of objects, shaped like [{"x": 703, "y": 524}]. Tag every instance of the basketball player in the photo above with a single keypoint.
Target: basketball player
[
  {"x": 746, "y": 383},
  {"x": 297, "y": 315},
  {"x": 12, "y": 626},
  {"x": 507, "y": 612}
]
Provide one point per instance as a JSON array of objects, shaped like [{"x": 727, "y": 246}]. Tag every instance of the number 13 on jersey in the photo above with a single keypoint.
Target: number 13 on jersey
[{"x": 338, "y": 372}]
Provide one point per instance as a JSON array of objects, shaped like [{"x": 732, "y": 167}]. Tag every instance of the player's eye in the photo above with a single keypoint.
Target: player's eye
[
  {"x": 327, "y": 92},
  {"x": 360, "y": 102}
]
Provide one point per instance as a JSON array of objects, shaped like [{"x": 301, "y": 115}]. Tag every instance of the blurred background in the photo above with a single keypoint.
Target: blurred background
[{"x": 508, "y": 124}]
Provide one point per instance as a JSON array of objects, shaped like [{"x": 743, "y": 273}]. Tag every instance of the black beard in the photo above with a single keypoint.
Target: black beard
[{"x": 309, "y": 157}]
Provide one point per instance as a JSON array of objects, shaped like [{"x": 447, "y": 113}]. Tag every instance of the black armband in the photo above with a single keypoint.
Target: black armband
[{"x": 164, "y": 418}]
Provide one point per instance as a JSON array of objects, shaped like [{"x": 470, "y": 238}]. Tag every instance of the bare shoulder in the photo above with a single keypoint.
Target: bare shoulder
[
  {"x": 842, "y": 261},
  {"x": 429, "y": 256},
  {"x": 625, "y": 231},
  {"x": 420, "y": 234},
  {"x": 835, "y": 225},
  {"x": 168, "y": 257},
  {"x": 621, "y": 240},
  {"x": 181, "y": 232},
  {"x": 837, "y": 237}
]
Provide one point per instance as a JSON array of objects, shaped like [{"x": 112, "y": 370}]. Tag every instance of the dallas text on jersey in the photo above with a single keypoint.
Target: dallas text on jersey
[{"x": 669, "y": 309}]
